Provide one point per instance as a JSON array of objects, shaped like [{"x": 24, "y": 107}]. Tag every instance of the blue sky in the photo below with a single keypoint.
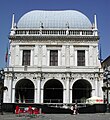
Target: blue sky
[{"x": 89, "y": 7}]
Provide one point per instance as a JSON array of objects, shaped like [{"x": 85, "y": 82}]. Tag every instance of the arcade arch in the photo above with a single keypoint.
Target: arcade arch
[
  {"x": 53, "y": 91},
  {"x": 24, "y": 91},
  {"x": 81, "y": 90}
]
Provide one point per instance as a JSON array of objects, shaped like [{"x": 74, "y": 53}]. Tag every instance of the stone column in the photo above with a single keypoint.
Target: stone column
[
  {"x": 67, "y": 90},
  {"x": 93, "y": 87},
  {"x": 38, "y": 90},
  {"x": 96, "y": 86},
  {"x": 42, "y": 94},
  {"x": 13, "y": 95},
  {"x": 64, "y": 95},
  {"x": 100, "y": 89},
  {"x": 35, "y": 95},
  {"x": 71, "y": 95}
]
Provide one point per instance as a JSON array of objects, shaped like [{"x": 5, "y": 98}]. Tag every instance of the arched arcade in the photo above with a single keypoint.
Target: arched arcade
[
  {"x": 53, "y": 91},
  {"x": 81, "y": 90},
  {"x": 24, "y": 91}
]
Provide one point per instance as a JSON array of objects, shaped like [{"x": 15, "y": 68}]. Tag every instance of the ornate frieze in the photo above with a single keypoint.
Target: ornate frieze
[{"x": 49, "y": 39}]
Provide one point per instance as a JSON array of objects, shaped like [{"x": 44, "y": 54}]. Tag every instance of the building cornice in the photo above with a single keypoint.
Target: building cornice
[{"x": 54, "y": 38}]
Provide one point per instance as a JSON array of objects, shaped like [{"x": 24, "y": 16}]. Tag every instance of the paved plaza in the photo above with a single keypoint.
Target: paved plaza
[{"x": 100, "y": 116}]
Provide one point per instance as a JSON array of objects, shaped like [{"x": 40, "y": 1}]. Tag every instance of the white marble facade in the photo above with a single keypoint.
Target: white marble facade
[{"x": 40, "y": 40}]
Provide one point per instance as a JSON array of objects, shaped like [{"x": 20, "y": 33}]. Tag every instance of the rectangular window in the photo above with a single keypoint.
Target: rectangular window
[
  {"x": 81, "y": 57},
  {"x": 53, "y": 57},
  {"x": 26, "y": 58}
]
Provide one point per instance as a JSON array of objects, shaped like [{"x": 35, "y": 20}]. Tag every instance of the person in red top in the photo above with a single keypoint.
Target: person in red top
[
  {"x": 30, "y": 110},
  {"x": 17, "y": 110},
  {"x": 36, "y": 111}
]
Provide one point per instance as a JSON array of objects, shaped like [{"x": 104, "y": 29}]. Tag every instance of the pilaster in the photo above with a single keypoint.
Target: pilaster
[
  {"x": 44, "y": 56},
  {"x": 17, "y": 55},
  {"x": 86, "y": 57},
  {"x": 63, "y": 55},
  {"x": 67, "y": 55},
  {"x": 90, "y": 55},
  {"x": 36, "y": 55},
  {"x": 7, "y": 98},
  {"x": 71, "y": 55}
]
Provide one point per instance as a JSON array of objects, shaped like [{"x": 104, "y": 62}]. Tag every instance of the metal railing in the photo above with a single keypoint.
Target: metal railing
[
  {"x": 53, "y": 100},
  {"x": 24, "y": 101}
]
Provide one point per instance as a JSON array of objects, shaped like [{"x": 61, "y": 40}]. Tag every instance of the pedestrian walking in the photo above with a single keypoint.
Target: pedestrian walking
[{"x": 74, "y": 109}]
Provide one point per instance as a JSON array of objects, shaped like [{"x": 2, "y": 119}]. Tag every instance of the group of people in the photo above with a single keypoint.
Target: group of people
[
  {"x": 29, "y": 110},
  {"x": 74, "y": 109}
]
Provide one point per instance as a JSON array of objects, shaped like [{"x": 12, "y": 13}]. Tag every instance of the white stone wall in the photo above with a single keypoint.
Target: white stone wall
[
  {"x": 67, "y": 58},
  {"x": 40, "y": 63},
  {"x": 67, "y": 54}
]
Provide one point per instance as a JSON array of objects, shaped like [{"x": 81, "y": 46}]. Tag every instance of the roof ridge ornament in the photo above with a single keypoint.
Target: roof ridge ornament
[
  {"x": 95, "y": 22},
  {"x": 67, "y": 26},
  {"x": 95, "y": 26},
  {"x": 41, "y": 25},
  {"x": 13, "y": 25}
]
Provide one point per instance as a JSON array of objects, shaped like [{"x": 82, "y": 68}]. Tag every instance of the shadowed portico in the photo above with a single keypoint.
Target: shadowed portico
[
  {"x": 24, "y": 91},
  {"x": 53, "y": 91}
]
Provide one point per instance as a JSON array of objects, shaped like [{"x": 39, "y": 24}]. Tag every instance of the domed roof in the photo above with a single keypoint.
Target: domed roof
[{"x": 54, "y": 19}]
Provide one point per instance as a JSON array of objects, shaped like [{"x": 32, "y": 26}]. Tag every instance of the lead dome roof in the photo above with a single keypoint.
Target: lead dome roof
[{"x": 54, "y": 19}]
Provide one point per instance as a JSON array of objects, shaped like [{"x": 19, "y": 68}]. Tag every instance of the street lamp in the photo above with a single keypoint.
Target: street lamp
[{"x": 107, "y": 88}]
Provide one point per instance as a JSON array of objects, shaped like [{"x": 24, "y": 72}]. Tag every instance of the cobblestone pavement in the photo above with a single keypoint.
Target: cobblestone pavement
[{"x": 11, "y": 116}]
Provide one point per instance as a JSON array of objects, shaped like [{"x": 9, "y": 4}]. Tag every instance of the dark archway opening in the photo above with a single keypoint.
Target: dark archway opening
[
  {"x": 24, "y": 91},
  {"x": 53, "y": 91},
  {"x": 81, "y": 91}
]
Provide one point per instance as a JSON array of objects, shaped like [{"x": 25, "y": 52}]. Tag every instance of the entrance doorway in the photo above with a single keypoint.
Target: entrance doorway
[
  {"x": 81, "y": 90},
  {"x": 24, "y": 91},
  {"x": 53, "y": 91}
]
